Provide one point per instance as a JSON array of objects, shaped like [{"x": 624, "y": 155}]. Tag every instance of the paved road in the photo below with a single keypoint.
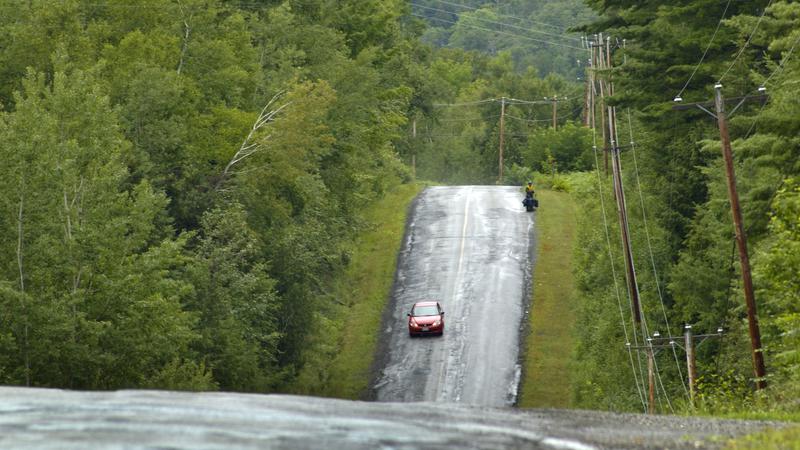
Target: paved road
[
  {"x": 471, "y": 248},
  {"x": 43, "y": 419}
]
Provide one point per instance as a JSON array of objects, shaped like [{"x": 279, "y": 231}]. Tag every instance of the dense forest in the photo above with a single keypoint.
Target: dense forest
[
  {"x": 182, "y": 178},
  {"x": 179, "y": 178},
  {"x": 679, "y": 209}
]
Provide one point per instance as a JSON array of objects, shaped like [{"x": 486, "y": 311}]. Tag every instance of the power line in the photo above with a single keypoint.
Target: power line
[
  {"x": 477, "y": 102},
  {"x": 499, "y": 23},
  {"x": 527, "y": 102},
  {"x": 528, "y": 120},
  {"x": 652, "y": 257},
  {"x": 706, "y": 51},
  {"x": 783, "y": 61},
  {"x": 472, "y": 8},
  {"x": 468, "y": 119},
  {"x": 614, "y": 271},
  {"x": 749, "y": 38},
  {"x": 496, "y": 31},
  {"x": 507, "y": 100}
]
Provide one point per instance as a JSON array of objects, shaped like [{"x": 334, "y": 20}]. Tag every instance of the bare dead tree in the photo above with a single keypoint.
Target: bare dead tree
[
  {"x": 70, "y": 207},
  {"x": 186, "y": 30},
  {"x": 251, "y": 145},
  {"x": 20, "y": 265}
]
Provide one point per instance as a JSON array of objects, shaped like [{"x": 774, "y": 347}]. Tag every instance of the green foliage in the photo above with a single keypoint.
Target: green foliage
[
  {"x": 536, "y": 33},
  {"x": 143, "y": 251},
  {"x": 776, "y": 275},
  {"x": 679, "y": 168}
]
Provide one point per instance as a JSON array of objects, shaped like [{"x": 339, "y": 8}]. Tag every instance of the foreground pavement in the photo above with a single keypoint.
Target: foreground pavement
[{"x": 55, "y": 419}]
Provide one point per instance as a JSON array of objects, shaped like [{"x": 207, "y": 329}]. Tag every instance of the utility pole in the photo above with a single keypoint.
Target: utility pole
[
  {"x": 414, "y": 148},
  {"x": 741, "y": 242},
  {"x": 587, "y": 102},
  {"x": 690, "y": 367},
  {"x": 657, "y": 343},
  {"x": 597, "y": 59},
  {"x": 741, "y": 238},
  {"x": 554, "y": 101},
  {"x": 606, "y": 87},
  {"x": 502, "y": 133}
]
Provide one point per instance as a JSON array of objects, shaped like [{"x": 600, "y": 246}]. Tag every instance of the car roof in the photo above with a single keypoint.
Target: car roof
[{"x": 425, "y": 303}]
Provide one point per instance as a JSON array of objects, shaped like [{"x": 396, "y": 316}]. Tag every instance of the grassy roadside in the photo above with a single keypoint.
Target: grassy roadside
[
  {"x": 788, "y": 439},
  {"x": 342, "y": 348},
  {"x": 546, "y": 369}
]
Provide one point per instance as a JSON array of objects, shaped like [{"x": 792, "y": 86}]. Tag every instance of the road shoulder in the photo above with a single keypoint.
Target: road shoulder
[{"x": 548, "y": 344}]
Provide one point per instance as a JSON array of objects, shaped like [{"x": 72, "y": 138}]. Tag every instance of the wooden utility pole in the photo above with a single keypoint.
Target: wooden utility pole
[
  {"x": 554, "y": 101},
  {"x": 741, "y": 242},
  {"x": 651, "y": 381},
  {"x": 741, "y": 238},
  {"x": 598, "y": 59},
  {"x": 587, "y": 101},
  {"x": 414, "y": 148},
  {"x": 606, "y": 87},
  {"x": 502, "y": 134},
  {"x": 689, "y": 343}
]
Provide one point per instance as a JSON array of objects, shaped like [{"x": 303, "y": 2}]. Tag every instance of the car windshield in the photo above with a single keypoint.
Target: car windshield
[{"x": 425, "y": 311}]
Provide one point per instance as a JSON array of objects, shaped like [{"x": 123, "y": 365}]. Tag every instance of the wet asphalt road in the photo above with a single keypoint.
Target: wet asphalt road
[
  {"x": 44, "y": 419},
  {"x": 470, "y": 248}
]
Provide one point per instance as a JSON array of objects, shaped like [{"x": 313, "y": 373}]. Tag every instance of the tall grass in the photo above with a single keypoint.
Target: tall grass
[{"x": 549, "y": 342}]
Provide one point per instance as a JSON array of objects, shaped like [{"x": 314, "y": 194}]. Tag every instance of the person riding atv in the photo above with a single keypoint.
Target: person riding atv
[
  {"x": 530, "y": 201},
  {"x": 529, "y": 189}
]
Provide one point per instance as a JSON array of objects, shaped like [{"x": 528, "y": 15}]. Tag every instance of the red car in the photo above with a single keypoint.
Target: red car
[{"x": 426, "y": 318}]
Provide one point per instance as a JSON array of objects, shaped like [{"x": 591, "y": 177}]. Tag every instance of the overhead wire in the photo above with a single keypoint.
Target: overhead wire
[
  {"x": 473, "y": 103},
  {"x": 496, "y": 31},
  {"x": 780, "y": 67},
  {"x": 472, "y": 8},
  {"x": 783, "y": 61},
  {"x": 482, "y": 19},
  {"x": 642, "y": 316},
  {"x": 509, "y": 116},
  {"x": 468, "y": 119},
  {"x": 614, "y": 273},
  {"x": 614, "y": 277},
  {"x": 702, "y": 58},
  {"x": 642, "y": 322},
  {"x": 650, "y": 249},
  {"x": 749, "y": 38},
  {"x": 646, "y": 341}
]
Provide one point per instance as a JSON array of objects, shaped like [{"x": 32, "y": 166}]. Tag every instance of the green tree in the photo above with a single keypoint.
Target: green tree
[{"x": 93, "y": 260}]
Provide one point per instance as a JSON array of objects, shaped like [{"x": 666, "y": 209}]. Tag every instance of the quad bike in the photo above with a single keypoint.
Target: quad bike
[{"x": 530, "y": 202}]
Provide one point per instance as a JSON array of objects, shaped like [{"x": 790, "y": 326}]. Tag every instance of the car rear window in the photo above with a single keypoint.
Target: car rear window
[{"x": 425, "y": 311}]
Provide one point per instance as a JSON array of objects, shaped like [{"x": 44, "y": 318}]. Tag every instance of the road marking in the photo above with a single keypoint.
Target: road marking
[
  {"x": 463, "y": 239},
  {"x": 442, "y": 379},
  {"x": 566, "y": 444}
]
